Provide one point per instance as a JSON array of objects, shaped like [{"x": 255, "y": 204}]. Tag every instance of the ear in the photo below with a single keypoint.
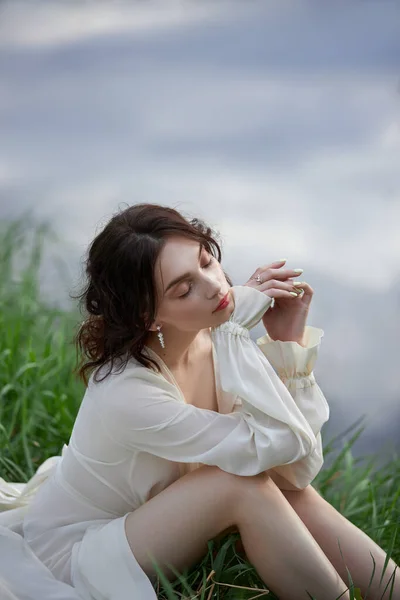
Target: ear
[{"x": 154, "y": 325}]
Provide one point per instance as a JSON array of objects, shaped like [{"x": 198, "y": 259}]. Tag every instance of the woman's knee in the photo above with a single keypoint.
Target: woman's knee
[
  {"x": 242, "y": 486},
  {"x": 236, "y": 489},
  {"x": 233, "y": 485}
]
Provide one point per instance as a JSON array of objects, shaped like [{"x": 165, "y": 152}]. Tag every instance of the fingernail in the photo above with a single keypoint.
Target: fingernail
[
  {"x": 282, "y": 260},
  {"x": 298, "y": 270},
  {"x": 293, "y": 293}
]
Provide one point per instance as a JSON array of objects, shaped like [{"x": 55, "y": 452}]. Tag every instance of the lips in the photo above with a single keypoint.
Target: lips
[{"x": 223, "y": 301}]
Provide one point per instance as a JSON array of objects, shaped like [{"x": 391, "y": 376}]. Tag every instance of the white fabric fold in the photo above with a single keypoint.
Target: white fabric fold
[
  {"x": 14, "y": 495},
  {"x": 23, "y": 576},
  {"x": 294, "y": 365},
  {"x": 290, "y": 359},
  {"x": 245, "y": 370}
]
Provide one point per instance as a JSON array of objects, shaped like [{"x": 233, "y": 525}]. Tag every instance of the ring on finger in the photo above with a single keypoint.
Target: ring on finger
[{"x": 258, "y": 279}]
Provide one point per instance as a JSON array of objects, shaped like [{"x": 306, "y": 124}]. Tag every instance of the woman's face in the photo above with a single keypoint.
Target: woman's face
[{"x": 189, "y": 304}]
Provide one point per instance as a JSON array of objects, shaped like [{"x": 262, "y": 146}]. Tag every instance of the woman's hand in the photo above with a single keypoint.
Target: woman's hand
[{"x": 286, "y": 321}]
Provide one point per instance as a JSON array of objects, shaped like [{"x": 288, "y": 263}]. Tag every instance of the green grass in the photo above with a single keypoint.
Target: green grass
[{"x": 40, "y": 396}]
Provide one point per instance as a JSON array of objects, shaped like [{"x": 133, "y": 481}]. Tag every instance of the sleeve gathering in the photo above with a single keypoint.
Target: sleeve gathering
[{"x": 294, "y": 365}]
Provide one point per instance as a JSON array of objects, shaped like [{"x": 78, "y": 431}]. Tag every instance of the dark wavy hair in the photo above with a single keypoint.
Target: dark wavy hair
[{"x": 120, "y": 296}]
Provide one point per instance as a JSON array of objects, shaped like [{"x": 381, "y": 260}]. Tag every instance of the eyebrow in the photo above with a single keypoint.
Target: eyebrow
[{"x": 181, "y": 277}]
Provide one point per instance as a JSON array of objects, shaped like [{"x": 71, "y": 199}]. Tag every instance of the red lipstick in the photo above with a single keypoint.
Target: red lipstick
[{"x": 224, "y": 303}]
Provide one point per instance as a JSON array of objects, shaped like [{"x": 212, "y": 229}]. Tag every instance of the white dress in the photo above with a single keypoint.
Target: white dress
[{"x": 134, "y": 435}]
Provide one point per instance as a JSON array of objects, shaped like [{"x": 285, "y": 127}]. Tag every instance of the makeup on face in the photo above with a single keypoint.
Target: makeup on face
[{"x": 224, "y": 303}]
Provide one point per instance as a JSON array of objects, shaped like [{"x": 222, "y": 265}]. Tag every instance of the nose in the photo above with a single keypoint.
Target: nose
[{"x": 214, "y": 288}]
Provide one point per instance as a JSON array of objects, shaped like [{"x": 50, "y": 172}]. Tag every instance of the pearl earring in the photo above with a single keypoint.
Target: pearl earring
[{"x": 160, "y": 337}]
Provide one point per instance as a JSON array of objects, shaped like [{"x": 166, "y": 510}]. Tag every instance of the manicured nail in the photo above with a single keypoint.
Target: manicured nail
[
  {"x": 293, "y": 293},
  {"x": 282, "y": 260},
  {"x": 298, "y": 270}
]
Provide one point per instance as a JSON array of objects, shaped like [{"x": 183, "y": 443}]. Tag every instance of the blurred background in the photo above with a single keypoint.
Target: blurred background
[{"x": 276, "y": 122}]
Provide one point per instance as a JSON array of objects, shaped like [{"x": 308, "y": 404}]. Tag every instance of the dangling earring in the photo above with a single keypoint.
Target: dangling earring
[{"x": 160, "y": 337}]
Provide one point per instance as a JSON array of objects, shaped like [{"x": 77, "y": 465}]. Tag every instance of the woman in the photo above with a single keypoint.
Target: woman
[{"x": 186, "y": 431}]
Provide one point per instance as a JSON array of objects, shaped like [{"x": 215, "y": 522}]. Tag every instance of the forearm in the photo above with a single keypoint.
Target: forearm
[{"x": 293, "y": 363}]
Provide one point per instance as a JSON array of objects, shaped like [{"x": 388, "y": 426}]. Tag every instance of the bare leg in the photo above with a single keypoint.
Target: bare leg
[
  {"x": 283, "y": 551},
  {"x": 326, "y": 525},
  {"x": 175, "y": 525}
]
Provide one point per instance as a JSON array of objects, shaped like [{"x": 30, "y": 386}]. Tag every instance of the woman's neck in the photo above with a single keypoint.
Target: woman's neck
[{"x": 182, "y": 348}]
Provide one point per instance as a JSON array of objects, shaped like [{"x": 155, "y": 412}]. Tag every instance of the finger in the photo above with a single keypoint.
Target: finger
[
  {"x": 278, "y": 293},
  {"x": 282, "y": 273},
  {"x": 272, "y": 273},
  {"x": 275, "y": 264},
  {"x": 303, "y": 284},
  {"x": 276, "y": 284},
  {"x": 300, "y": 288}
]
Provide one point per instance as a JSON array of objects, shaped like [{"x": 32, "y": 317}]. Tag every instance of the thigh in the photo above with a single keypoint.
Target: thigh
[{"x": 173, "y": 528}]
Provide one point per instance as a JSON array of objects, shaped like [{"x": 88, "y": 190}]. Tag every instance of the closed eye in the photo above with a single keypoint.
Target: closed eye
[{"x": 191, "y": 285}]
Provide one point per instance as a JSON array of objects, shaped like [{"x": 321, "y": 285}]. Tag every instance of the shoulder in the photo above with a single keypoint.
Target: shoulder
[
  {"x": 134, "y": 399},
  {"x": 134, "y": 385}
]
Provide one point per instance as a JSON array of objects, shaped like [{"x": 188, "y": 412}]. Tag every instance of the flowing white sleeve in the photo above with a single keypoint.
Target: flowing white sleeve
[
  {"x": 143, "y": 411},
  {"x": 294, "y": 365},
  {"x": 246, "y": 371}
]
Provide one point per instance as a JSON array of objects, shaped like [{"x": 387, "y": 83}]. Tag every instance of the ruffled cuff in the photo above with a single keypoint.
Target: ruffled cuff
[{"x": 291, "y": 360}]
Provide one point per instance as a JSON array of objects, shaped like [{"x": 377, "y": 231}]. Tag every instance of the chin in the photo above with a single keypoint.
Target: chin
[{"x": 223, "y": 316}]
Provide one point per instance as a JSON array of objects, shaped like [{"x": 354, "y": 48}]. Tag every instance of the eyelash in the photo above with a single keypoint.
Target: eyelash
[{"x": 190, "y": 284}]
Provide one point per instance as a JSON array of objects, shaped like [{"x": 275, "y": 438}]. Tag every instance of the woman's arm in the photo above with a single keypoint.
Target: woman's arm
[
  {"x": 294, "y": 364},
  {"x": 246, "y": 372},
  {"x": 141, "y": 410}
]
